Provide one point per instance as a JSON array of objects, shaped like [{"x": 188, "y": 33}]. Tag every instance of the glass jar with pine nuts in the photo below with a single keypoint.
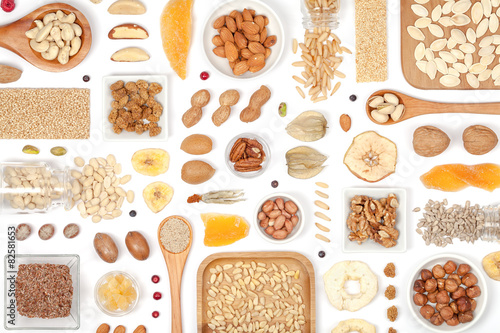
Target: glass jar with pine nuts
[
  {"x": 33, "y": 188},
  {"x": 320, "y": 13}
]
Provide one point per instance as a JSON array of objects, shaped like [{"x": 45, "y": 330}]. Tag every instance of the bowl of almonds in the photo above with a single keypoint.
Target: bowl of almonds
[
  {"x": 278, "y": 218},
  {"x": 243, "y": 39}
]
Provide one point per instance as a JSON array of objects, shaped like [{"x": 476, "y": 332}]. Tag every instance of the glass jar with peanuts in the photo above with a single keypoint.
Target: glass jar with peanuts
[
  {"x": 33, "y": 188},
  {"x": 320, "y": 13}
]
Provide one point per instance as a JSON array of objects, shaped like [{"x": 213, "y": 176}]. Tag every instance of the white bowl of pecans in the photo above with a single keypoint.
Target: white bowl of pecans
[
  {"x": 243, "y": 39},
  {"x": 278, "y": 218}
]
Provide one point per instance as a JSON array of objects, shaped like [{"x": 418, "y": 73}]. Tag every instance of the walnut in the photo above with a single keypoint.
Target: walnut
[
  {"x": 153, "y": 118},
  {"x": 131, "y": 104},
  {"x": 137, "y": 115},
  {"x": 122, "y": 102},
  {"x": 130, "y": 128},
  {"x": 117, "y": 85},
  {"x": 119, "y": 93},
  {"x": 157, "y": 109},
  {"x": 121, "y": 123},
  {"x": 139, "y": 128},
  {"x": 112, "y": 116},
  {"x": 154, "y": 130},
  {"x": 143, "y": 93},
  {"x": 115, "y": 105},
  {"x": 131, "y": 87},
  {"x": 117, "y": 129},
  {"x": 142, "y": 84}
]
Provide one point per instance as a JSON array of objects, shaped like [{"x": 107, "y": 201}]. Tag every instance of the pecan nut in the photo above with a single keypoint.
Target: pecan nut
[
  {"x": 254, "y": 152},
  {"x": 237, "y": 151},
  {"x": 248, "y": 164}
]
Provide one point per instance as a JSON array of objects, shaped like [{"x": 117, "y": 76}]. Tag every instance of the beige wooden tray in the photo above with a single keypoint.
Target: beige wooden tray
[
  {"x": 293, "y": 260},
  {"x": 411, "y": 73}
]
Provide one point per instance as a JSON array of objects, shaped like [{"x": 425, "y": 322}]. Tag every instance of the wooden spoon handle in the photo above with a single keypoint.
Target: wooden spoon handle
[
  {"x": 175, "y": 269},
  {"x": 419, "y": 107}
]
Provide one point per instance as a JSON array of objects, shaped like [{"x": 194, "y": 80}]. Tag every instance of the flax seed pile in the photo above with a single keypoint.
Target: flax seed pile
[
  {"x": 44, "y": 113},
  {"x": 371, "y": 40},
  {"x": 44, "y": 291}
]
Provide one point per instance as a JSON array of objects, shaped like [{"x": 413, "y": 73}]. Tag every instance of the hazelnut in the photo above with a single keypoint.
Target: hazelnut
[
  {"x": 473, "y": 292},
  {"x": 447, "y": 313},
  {"x": 450, "y": 285},
  {"x": 438, "y": 272},
  {"x": 420, "y": 299},
  {"x": 473, "y": 304},
  {"x": 430, "y": 285},
  {"x": 426, "y": 274},
  {"x": 459, "y": 293},
  {"x": 469, "y": 279},
  {"x": 441, "y": 284},
  {"x": 455, "y": 277},
  {"x": 464, "y": 304},
  {"x": 437, "y": 320},
  {"x": 465, "y": 317},
  {"x": 427, "y": 311},
  {"x": 454, "y": 307},
  {"x": 432, "y": 297},
  {"x": 450, "y": 267},
  {"x": 463, "y": 269},
  {"x": 419, "y": 286},
  {"x": 439, "y": 306},
  {"x": 442, "y": 297},
  {"x": 453, "y": 321}
]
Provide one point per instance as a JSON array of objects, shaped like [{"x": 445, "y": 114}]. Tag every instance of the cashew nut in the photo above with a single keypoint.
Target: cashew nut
[
  {"x": 55, "y": 33},
  {"x": 63, "y": 56},
  {"x": 51, "y": 53},
  {"x": 49, "y": 18},
  {"x": 60, "y": 14},
  {"x": 56, "y": 23},
  {"x": 44, "y": 32},
  {"x": 32, "y": 33},
  {"x": 67, "y": 33},
  {"x": 77, "y": 29},
  {"x": 39, "y": 47},
  {"x": 70, "y": 18},
  {"x": 49, "y": 38},
  {"x": 39, "y": 24},
  {"x": 76, "y": 43}
]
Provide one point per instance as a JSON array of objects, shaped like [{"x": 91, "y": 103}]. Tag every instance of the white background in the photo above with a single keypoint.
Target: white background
[{"x": 271, "y": 126}]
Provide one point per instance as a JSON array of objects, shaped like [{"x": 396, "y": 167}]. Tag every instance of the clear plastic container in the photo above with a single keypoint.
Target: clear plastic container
[
  {"x": 33, "y": 188},
  {"x": 491, "y": 228},
  {"x": 320, "y": 13}
]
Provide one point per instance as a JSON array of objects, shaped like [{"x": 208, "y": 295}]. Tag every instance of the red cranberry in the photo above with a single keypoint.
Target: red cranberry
[
  {"x": 157, "y": 295},
  {"x": 204, "y": 76},
  {"x": 8, "y": 5},
  {"x": 155, "y": 279},
  {"x": 155, "y": 314}
]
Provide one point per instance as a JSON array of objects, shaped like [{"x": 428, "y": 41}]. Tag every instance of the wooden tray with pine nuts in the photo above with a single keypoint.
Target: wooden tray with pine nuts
[
  {"x": 292, "y": 261},
  {"x": 421, "y": 80}
]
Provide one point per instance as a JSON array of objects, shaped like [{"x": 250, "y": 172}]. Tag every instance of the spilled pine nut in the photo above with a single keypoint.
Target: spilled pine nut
[{"x": 322, "y": 216}]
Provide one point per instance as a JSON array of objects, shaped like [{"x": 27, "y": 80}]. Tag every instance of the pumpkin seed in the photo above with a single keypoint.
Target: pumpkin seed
[
  {"x": 441, "y": 65},
  {"x": 493, "y": 25},
  {"x": 477, "y": 12},
  {"x": 445, "y": 21},
  {"x": 436, "y": 30},
  {"x": 477, "y": 68},
  {"x": 484, "y": 75},
  {"x": 420, "y": 10},
  {"x": 431, "y": 69},
  {"x": 457, "y": 53},
  {"x": 32, "y": 150},
  {"x": 58, "y": 151},
  {"x": 460, "y": 20},
  {"x": 486, "y": 50},
  {"x": 486, "y": 41},
  {"x": 461, "y": 68},
  {"x": 459, "y": 36},
  {"x": 496, "y": 39},
  {"x": 453, "y": 71},
  {"x": 495, "y": 74},
  {"x": 497, "y": 82},
  {"x": 482, "y": 28},
  {"x": 449, "y": 81},
  {"x": 467, "y": 48},
  {"x": 437, "y": 45},
  {"x": 487, "y": 60},
  {"x": 447, "y": 7},
  {"x": 451, "y": 43},
  {"x": 422, "y": 2},
  {"x": 468, "y": 60},
  {"x": 429, "y": 55},
  {"x": 497, "y": 51},
  {"x": 415, "y": 33},
  {"x": 422, "y": 65},
  {"x": 448, "y": 57},
  {"x": 495, "y": 3},
  {"x": 423, "y": 22},
  {"x": 486, "y": 7},
  {"x": 471, "y": 35},
  {"x": 472, "y": 80},
  {"x": 419, "y": 51},
  {"x": 461, "y": 6},
  {"x": 436, "y": 13}
]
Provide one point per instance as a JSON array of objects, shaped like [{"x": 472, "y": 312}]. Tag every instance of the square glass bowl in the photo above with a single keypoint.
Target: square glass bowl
[
  {"x": 107, "y": 127},
  {"x": 370, "y": 245},
  {"x": 12, "y": 319}
]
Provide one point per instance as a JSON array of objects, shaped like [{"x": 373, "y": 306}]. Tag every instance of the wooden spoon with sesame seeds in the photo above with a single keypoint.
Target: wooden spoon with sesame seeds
[
  {"x": 417, "y": 107},
  {"x": 12, "y": 38},
  {"x": 175, "y": 266}
]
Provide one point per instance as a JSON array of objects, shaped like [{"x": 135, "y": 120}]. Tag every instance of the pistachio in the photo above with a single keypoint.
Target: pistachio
[
  {"x": 282, "y": 109},
  {"x": 28, "y": 149},
  {"x": 58, "y": 151}
]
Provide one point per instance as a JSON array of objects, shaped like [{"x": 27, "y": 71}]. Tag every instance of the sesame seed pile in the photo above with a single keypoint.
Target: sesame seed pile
[
  {"x": 371, "y": 40},
  {"x": 44, "y": 113}
]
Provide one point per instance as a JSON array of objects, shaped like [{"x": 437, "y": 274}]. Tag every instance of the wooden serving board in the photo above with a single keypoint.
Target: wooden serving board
[
  {"x": 293, "y": 260},
  {"x": 411, "y": 73}
]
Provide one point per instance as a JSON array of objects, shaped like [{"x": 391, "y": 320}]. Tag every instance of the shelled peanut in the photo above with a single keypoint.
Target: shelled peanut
[
  {"x": 243, "y": 40},
  {"x": 278, "y": 217},
  {"x": 98, "y": 187}
]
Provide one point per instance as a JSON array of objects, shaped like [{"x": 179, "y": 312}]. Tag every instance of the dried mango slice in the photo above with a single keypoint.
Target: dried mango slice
[
  {"x": 456, "y": 177},
  {"x": 222, "y": 229},
  {"x": 175, "y": 24}
]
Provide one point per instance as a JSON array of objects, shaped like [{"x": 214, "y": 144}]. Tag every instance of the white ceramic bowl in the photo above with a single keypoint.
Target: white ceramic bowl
[
  {"x": 369, "y": 245},
  {"x": 296, "y": 230},
  {"x": 273, "y": 28},
  {"x": 251, "y": 174},
  {"x": 481, "y": 300},
  {"x": 107, "y": 127}
]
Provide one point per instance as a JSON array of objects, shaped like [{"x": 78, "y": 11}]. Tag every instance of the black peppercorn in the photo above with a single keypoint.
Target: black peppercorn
[
  {"x": 274, "y": 183},
  {"x": 353, "y": 98},
  {"x": 321, "y": 254},
  {"x": 86, "y": 78},
  {"x": 132, "y": 213}
]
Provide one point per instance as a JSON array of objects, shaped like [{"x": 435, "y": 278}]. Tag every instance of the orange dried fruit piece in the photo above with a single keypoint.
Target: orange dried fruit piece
[
  {"x": 175, "y": 24},
  {"x": 456, "y": 177},
  {"x": 224, "y": 229}
]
